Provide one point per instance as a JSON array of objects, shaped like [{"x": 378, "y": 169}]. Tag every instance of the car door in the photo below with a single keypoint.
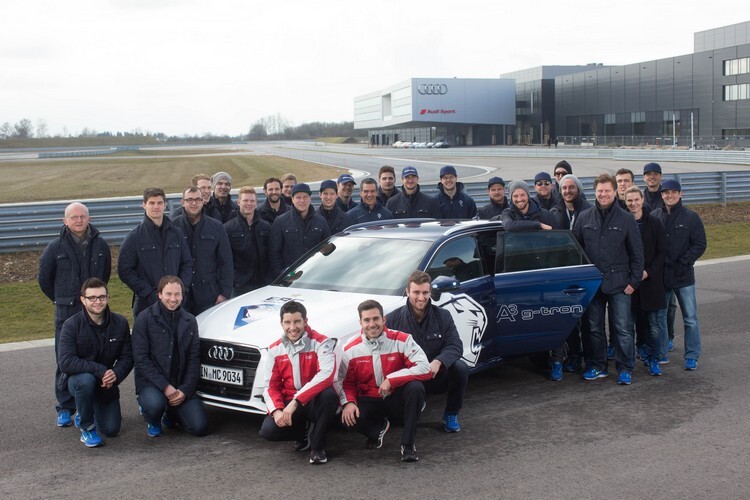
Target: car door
[{"x": 543, "y": 284}]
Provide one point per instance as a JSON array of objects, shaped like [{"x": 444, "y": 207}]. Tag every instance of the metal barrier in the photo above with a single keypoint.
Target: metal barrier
[{"x": 30, "y": 226}]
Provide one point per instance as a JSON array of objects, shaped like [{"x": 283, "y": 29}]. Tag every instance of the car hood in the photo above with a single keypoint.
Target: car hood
[{"x": 253, "y": 318}]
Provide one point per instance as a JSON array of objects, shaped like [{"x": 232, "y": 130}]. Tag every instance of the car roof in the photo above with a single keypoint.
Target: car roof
[{"x": 419, "y": 229}]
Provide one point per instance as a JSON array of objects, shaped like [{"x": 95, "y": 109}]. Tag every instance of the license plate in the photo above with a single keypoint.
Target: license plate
[{"x": 223, "y": 375}]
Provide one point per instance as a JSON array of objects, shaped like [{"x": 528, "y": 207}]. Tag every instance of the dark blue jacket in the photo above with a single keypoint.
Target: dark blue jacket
[
  {"x": 613, "y": 244},
  {"x": 565, "y": 219},
  {"x": 653, "y": 199},
  {"x": 153, "y": 337},
  {"x": 436, "y": 334},
  {"x": 362, "y": 213},
  {"x": 213, "y": 271},
  {"x": 650, "y": 294},
  {"x": 292, "y": 236},
  {"x": 346, "y": 207},
  {"x": 207, "y": 210},
  {"x": 63, "y": 268},
  {"x": 492, "y": 209},
  {"x": 224, "y": 212},
  {"x": 535, "y": 216},
  {"x": 416, "y": 205},
  {"x": 383, "y": 199},
  {"x": 85, "y": 347},
  {"x": 269, "y": 214},
  {"x": 549, "y": 203},
  {"x": 249, "y": 251},
  {"x": 686, "y": 242},
  {"x": 149, "y": 253},
  {"x": 337, "y": 219},
  {"x": 461, "y": 206}
]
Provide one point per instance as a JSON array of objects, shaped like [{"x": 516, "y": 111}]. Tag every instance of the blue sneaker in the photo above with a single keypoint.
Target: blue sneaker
[
  {"x": 451, "y": 422},
  {"x": 77, "y": 421},
  {"x": 63, "y": 418},
  {"x": 653, "y": 367},
  {"x": 593, "y": 374},
  {"x": 154, "y": 430},
  {"x": 691, "y": 364},
  {"x": 664, "y": 360},
  {"x": 90, "y": 438},
  {"x": 611, "y": 352},
  {"x": 670, "y": 346},
  {"x": 624, "y": 378},
  {"x": 557, "y": 371},
  {"x": 573, "y": 364}
]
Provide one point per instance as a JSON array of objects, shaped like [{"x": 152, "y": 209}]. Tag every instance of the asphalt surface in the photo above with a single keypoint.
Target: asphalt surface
[{"x": 684, "y": 434}]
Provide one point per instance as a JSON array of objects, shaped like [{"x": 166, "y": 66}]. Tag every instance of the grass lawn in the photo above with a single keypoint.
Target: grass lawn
[{"x": 727, "y": 240}]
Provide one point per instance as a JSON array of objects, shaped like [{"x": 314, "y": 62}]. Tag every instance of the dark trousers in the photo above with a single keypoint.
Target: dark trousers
[
  {"x": 317, "y": 412},
  {"x": 65, "y": 399},
  {"x": 453, "y": 381},
  {"x": 404, "y": 403},
  {"x": 190, "y": 414},
  {"x": 95, "y": 408},
  {"x": 618, "y": 307}
]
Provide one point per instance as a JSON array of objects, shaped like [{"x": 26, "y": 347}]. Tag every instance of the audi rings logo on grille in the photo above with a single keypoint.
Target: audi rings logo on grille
[
  {"x": 432, "y": 88},
  {"x": 221, "y": 353}
]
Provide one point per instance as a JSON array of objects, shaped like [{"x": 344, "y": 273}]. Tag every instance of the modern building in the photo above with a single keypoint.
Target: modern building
[{"x": 702, "y": 98}]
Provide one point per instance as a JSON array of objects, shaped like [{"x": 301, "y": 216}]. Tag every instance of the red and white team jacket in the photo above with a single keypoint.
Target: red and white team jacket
[
  {"x": 299, "y": 370},
  {"x": 366, "y": 363}
]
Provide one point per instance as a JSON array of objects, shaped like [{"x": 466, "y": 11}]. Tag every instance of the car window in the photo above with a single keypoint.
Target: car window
[
  {"x": 358, "y": 265},
  {"x": 458, "y": 258},
  {"x": 529, "y": 250}
]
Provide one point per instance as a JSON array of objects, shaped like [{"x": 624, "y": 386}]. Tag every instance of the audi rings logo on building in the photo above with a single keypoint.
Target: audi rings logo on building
[
  {"x": 221, "y": 353},
  {"x": 432, "y": 88}
]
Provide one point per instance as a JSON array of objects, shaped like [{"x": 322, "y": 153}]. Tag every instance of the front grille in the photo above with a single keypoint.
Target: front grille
[{"x": 245, "y": 358}]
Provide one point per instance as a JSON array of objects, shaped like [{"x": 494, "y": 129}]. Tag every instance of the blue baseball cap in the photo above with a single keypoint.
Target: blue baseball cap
[
  {"x": 328, "y": 183},
  {"x": 346, "y": 178},
  {"x": 301, "y": 188},
  {"x": 651, "y": 167},
  {"x": 495, "y": 180},
  {"x": 542, "y": 176},
  {"x": 448, "y": 170},
  {"x": 671, "y": 185},
  {"x": 407, "y": 171}
]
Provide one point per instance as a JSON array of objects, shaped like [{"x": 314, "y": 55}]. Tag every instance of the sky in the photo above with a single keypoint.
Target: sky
[{"x": 195, "y": 67}]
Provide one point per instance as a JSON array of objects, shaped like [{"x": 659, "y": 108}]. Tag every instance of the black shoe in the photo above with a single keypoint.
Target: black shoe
[
  {"x": 378, "y": 442},
  {"x": 409, "y": 453},
  {"x": 304, "y": 443},
  {"x": 318, "y": 457}
]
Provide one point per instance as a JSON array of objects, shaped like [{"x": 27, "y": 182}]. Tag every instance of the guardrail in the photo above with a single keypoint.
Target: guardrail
[
  {"x": 87, "y": 152},
  {"x": 30, "y": 226}
]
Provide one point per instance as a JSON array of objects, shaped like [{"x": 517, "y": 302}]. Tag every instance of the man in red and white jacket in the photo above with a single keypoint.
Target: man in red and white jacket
[
  {"x": 298, "y": 382},
  {"x": 381, "y": 376}
]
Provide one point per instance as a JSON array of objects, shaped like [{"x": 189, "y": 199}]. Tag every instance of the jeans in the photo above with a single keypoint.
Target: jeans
[
  {"x": 319, "y": 411},
  {"x": 190, "y": 414},
  {"x": 453, "y": 381},
  {"x": 95, "y": 408},
  {"x": 689, "y": 307},
  {"x": 65, "y": 400},
  {"x": 658, "y": 340},
  {"x": 405, "y": 402},
  {"x": 623, "y": 334}
]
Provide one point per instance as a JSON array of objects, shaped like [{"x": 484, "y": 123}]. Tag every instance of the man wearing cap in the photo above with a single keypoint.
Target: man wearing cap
[
  {"x": 386, "y": 184},
  {"x": 346, "y": 187},
  {"x": 545, "y": 195},
  {"x": 652, "y": 177},
  {"x": 562, "y": 168},
  {"x": 411, "y": 202},
  {"x": 498, "y": 201},
  {"x": 274, "y": 204},
  {"x": 613, "y": 243},
  {"x": 337, "y": 219},
  {"x": 454, "y": 202},
  {"x": 295, "y": 232},
  {"x": 686, "y": 242},
  {"x": 524, "y": 212},
  {"x": 221, "y": 201},
  {"x": 369, "y": 209},
  {"x": 248, "y": 236}
]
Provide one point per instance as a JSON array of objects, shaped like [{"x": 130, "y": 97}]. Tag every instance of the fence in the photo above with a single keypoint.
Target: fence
[{"x": 30, "y": 226}]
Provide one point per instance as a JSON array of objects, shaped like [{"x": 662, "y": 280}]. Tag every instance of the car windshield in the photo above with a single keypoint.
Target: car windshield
[{"x": 358, "y": 265}]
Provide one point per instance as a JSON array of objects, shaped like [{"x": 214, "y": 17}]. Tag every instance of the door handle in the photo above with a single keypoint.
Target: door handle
[{"x": 571, "y": 291}]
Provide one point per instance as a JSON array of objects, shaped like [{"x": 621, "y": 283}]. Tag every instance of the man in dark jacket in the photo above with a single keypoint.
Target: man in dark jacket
[
  {"x": 248, "y": 237},
  {"x": 546, "y": 196},
  {"x": 652, "y": 177},
  {"x": 154, "y": 248},
  {"x": 562, "y": 168},
  {"x": 498, "y": 200},
  {"x": 345, "y": 190},
  {"x": 686, "y": 242},
  {"x": 166, "y": 351},
  {"x": 273, "y": 206},
  {"x": 95, "y": 356},
  {"x": 572, "y": 203},
  {"x": 453, "y": 201},
  {"x": 337, "y": 219},
  {"x": 79, "y": 253},
  {"x": 524, "y": 213},
  {"x": 369, "y": 209},
  {"x": 410, "y": 202},
  {"x": 203, "y": 183},
  {"x": 297, "y": 231},
  {"x": 221, "y": 203},
  {"x": 213, "y": 274},
  {"x": 612, "y": 241},
  {"x": 435, "y": 332},
  {"x": 386, "y": 184},
  {"x": 649, "y": 304}
]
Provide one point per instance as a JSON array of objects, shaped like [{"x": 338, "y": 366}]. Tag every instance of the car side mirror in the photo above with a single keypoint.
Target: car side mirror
[{"x": 443, "y": 284}]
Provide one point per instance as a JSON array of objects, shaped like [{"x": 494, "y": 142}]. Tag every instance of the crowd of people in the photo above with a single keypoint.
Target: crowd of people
[{"x": 644, "y": 242}]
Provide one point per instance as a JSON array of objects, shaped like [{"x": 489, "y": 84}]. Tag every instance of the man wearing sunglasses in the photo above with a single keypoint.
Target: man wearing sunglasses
[{"x": 546, "y": 196}]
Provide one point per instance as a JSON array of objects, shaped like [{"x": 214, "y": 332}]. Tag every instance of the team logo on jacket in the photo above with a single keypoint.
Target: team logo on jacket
[
  {"x": 471, "y": 322},
  {"x": 250, "y": 314}
]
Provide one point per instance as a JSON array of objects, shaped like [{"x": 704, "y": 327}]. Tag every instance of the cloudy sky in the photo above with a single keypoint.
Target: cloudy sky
[{"x": 191, "y": 67}]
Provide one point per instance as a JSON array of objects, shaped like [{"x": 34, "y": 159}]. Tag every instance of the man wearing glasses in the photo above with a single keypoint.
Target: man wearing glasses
[
  {"x": 545, "y": 195},
  {"x": 562, "y": 169},
  {"x": 95, "y": 355},
  {"x": 213, "y": 275},
  {"x": 77, "y": 254}
]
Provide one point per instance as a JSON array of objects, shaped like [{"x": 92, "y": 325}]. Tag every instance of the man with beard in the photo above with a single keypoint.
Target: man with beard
[
  {"x": 221, "y": 201},
  {"x": 274, "y": 205},
  {"x": 454, "y": 203},
  {"x": 546, "y": 197},
  {"x": 337, "y": 219},
  {"x": 498, "y": 201},
  {"x": 524, "y": 213},
  {"x": 248, "y": 238},
  {"x": 411, "y": 202},
  {"x": 386, "y": 184},
  {"x": 295, "y": 232}
]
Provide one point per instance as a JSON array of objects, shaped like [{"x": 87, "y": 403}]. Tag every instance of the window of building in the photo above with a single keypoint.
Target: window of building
[
  {"x": 737, "y": 66},
  {"x": 737, "y": 92},
  {"x": 638, "y": 121}
]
